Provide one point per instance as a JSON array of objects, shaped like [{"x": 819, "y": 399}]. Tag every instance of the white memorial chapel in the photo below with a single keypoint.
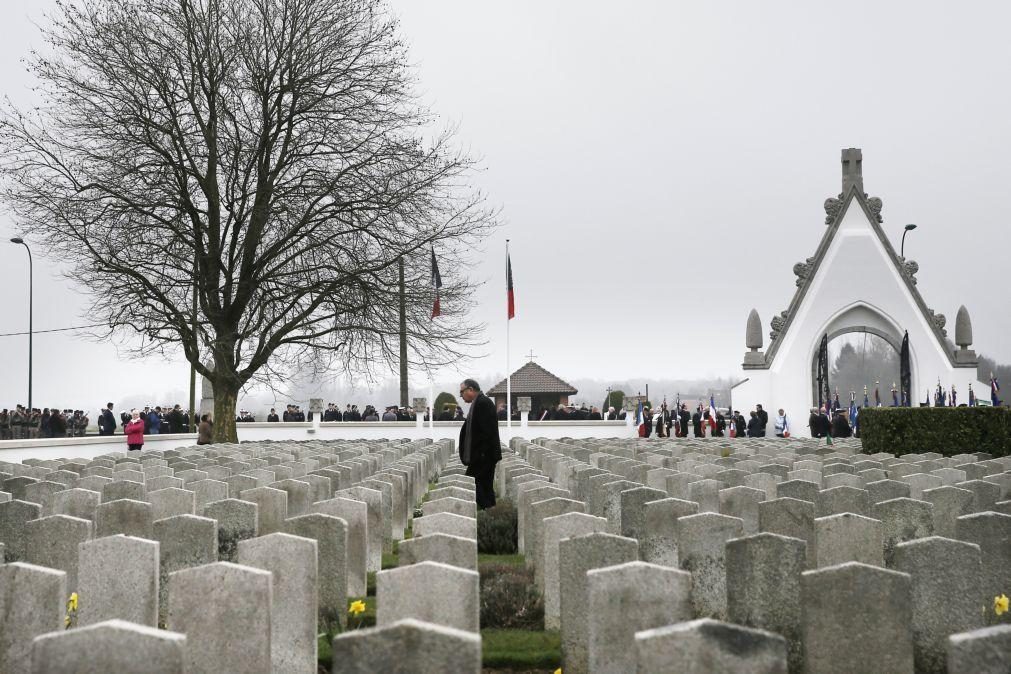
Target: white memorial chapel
[{"x": 854, "y": 283}]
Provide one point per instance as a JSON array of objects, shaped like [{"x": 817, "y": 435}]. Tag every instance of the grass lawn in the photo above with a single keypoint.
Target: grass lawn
[
  {"x": 520, "y": 649},
  {"x": 516, "y": 559},
  {"x": 512, "y": 651}
]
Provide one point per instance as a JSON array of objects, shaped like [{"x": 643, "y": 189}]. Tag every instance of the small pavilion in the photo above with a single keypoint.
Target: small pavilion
[{"x": 544, "y": 389}]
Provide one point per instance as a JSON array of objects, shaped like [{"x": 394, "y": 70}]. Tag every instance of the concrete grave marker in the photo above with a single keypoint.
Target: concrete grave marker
[
  {"x": 212, "y": 605},
  {"x": 429, "y": 591},
  {"x": 111, "y": 646},
  {"x": 294, "y": 608},
  {"x": 118, "y": 579},
  {"x": 32, "y": 600}
]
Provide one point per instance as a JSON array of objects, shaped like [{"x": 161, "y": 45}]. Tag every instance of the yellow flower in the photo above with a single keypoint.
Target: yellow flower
[
  {"x": 66, "y": 621},
  {"x": 357, "y": 606},
  {"x": 1000, "y": 604},
  {"x": 72, "y": 602},
  {"x": 558, "y": 671}
]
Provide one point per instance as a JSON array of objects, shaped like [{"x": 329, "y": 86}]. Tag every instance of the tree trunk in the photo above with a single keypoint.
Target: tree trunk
[{"x": 225, "y": 400}]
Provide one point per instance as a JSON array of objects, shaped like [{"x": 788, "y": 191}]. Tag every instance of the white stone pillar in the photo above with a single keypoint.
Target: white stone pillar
[
  {"x": 523, "y": 404},
  {"x": 420, "y": 405}
]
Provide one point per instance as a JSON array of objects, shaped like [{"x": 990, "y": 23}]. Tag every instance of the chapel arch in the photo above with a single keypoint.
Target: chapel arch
[{"x": 866, "y": 329}]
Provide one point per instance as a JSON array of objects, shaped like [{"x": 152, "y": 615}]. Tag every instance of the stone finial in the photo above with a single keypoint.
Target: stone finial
[
  {"x": 754, "y": 340},
  {"x": 963, "y": 338},
  {"x": 753, "y": 336},
  {"x": 852, "y": 170},
  {"x": 963, "y": 328}
]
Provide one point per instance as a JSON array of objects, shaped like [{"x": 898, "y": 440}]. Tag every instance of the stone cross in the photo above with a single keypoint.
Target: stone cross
[{"x": 852, "y": 169}]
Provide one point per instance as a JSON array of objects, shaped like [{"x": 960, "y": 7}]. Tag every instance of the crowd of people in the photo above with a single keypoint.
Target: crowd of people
[
  {"x": 157, "y": 420},
  {"x": 662, "y": 421},
  {"x": 333, "y": 413},
  {"x": 712, "y": 422},
  {"x": 22, "y": 423}
]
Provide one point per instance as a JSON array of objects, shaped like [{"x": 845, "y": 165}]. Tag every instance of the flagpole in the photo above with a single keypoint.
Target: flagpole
[
  {"x": 509, "y": 376},
  {"x": 431, "y": 405}
]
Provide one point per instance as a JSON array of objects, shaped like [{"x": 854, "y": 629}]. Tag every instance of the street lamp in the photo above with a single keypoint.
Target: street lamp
[
  {"x": 18, "y": 240},
  {"x": 902, "y": 248}
]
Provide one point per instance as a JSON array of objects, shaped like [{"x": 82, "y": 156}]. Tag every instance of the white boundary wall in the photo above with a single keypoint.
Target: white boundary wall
[{"x": 14, "y": 451}]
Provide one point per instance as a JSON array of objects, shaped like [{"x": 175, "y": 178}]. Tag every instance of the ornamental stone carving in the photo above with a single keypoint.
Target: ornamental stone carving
[
  {"x": 754, "y": 357},
  {"x": 753, "y": 336},
  {"x": 963, "y": 328},
  {"x": 832, "y": 207},
  {"x": 803, "y": 271},
  {"x": 909, "y": 268},
  {"x": 875, "y": 204},
  {"x": 963, "y": 338},
  {"x": 939, "y": 320},
  {"x": 834, "y": 204},
  {"x": 778, "y": 323}
]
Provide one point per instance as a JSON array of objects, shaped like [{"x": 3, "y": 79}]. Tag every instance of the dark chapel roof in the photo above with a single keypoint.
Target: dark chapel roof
[{"x": 534, "y": 379}]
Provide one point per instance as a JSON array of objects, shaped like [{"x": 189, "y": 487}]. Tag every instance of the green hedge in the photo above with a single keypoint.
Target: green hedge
[
  {"x": 945, "y": 430},
  {"x": 497, "y": 529}
]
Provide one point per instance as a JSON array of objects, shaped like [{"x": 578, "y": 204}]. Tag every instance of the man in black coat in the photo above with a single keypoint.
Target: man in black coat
[
  {"x": 825, "y": 424},
  {"x": 697, "y": 424},
  {"x": 814, "y": 423},
  {"x": 763, "y": 417},
  {"x": 176, "y": 419},
  {"x": 107, "y": 422},
  {"x": 841, "y": 427},
  {"x": 480, "y": 448},
  {"x": 740, "y": 424}
]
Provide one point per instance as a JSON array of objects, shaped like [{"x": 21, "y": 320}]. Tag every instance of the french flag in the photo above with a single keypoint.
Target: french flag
[
  {"x": 509, "y": 288},
  {"x": 994, "y": 391},
  {"x": 436, "y": 284},
  {"x": 712, "y": 413}
]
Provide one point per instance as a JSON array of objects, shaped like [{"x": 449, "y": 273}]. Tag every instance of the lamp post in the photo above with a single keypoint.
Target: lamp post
[
  {"x": 902, "y": 248},
  {"x": 20, "y": 241}
]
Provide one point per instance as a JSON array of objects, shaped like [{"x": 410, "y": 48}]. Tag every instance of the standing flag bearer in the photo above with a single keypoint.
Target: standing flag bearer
[
  {"x": 954, "y": 397},
  {"x": 853, "y": 411},
  {"x": 972, "y": 396},
  {"x": 994, "y": 390},
  {"x": 895, "y": 395},
  {"x": 436, "y": 284},
  {"x": 677, "y": 416}
]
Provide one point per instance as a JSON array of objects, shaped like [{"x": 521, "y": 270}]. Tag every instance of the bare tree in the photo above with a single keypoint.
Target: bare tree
[{"x": 238, "y": 178}]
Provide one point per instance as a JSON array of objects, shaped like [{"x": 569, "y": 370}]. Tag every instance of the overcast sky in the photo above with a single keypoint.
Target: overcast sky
[{"x": 660, "y": 168}]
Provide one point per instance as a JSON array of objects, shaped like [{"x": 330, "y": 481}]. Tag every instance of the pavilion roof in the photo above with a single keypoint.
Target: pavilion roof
[{"x": 534, "y": 379}]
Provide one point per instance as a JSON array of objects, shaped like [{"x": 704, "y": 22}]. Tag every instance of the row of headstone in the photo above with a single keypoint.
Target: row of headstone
[
  {"x": 429, "y": 606},
  {"x": 817, "y": 559},
  {"x": 238, "y": 557},
  {"x": 725, "y": 588}
]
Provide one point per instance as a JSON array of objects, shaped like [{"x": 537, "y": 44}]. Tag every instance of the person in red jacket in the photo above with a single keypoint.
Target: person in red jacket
[{"x": 134, "y": 431}]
